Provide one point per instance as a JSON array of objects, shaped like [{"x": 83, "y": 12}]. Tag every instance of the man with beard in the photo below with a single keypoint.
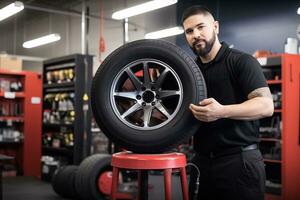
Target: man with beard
[{"x": 229, "y": 163}]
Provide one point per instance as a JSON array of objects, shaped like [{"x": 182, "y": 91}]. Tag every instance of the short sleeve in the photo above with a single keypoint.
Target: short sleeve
[{"x": 249, "y": 74}]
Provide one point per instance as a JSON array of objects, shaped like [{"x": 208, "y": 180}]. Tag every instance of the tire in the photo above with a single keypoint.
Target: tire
[
  {"x": 63, "y": 181},
  {"x": 147, "y": 115},
  {"x": 89, "y": 171}
]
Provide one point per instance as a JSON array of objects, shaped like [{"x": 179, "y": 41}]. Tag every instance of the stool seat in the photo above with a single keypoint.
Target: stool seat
[
  {"x": 167, "y": 162},
  {"x": 130, "y": 160}
]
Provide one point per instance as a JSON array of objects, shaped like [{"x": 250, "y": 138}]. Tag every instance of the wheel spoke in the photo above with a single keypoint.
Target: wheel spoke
[
  {"x": 131, "y": 110},
  {"x": 162, "y": 109},
  {"x": 136, "y": 82},
  {"x": 146, "y": 74},
  {"x": 147, "y": 115},
  {"x": 161, "y": 78},
  {"x": 128, "y": 95},
  {"x": 168, "y": 93}
]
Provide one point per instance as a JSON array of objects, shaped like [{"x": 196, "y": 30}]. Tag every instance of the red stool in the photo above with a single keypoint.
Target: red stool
[{"x": 167, "y": 162}]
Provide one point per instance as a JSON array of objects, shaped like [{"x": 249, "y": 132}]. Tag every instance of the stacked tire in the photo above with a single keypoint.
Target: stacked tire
[
  {"x": 89, "y": 171},
  {"x": 63, "y": 181},
  {"x": 82, "y": 181}
]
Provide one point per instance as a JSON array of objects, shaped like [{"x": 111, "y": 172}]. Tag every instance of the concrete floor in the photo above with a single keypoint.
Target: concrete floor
[{"x": 20, "y": 188}]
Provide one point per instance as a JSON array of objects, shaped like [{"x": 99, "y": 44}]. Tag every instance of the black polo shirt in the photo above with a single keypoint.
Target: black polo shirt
[{"x": 229, "y": 77}]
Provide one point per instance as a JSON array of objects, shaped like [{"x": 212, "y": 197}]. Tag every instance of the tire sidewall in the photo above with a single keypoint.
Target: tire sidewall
[{"x": 90, "y": 169}]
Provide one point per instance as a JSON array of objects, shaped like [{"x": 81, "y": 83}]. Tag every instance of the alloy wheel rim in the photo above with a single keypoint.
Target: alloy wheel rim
[{"x": 146, "y": 94}]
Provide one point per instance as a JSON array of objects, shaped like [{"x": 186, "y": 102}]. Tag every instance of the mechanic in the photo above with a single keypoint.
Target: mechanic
[{"x": 226, "y": 145}]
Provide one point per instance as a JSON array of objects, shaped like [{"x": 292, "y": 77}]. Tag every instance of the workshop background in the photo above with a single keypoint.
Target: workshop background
[{"x": 41, "y": 88}]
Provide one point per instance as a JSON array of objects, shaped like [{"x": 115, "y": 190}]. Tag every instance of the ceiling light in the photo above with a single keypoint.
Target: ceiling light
[
  {"x": 142, "y": 8},
  {"x": 165, "y": 33},
  {"x": 298, "y": 11},
  {"x": 11, "y": 9},
  {"x": 42, "y": 40}
]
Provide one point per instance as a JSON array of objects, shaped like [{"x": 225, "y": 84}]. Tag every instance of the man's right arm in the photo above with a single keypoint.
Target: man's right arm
[{"x": 258, "y": 105}]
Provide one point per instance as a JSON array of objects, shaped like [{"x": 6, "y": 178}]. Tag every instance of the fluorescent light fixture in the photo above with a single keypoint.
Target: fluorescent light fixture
[
  {"x": 11, "y": 9},
  {"x": 42, "y": 40},
  {"x": 298, "y": 11},
  {"x": 142, "y": 8},
  {"x": 165, "y": 33}
]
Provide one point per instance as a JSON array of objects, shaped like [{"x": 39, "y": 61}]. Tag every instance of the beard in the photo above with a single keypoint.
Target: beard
[{"x": 203, "y": 51}]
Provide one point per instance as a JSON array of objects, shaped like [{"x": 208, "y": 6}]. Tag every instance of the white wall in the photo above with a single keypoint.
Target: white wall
[{"x": 30, "y": 24}]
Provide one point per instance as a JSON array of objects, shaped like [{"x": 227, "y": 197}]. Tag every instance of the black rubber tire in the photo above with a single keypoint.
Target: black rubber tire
[
  {"x": 63, "y": 181},
  {"x": 159, "y": 140},
  {"x": 87, "y": 176}
]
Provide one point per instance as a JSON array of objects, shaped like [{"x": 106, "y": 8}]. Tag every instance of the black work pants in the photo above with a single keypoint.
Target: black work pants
[{"x": 239, "y": 176}]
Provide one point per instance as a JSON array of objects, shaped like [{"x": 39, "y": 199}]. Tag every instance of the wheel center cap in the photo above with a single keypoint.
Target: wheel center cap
[{"x": 148, "y": 96}]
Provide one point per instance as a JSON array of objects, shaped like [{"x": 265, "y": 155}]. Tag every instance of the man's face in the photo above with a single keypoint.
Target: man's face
[{"x": 200, "y": 32}]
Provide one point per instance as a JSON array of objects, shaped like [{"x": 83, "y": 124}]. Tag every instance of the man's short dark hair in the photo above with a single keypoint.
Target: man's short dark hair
[{"x": 195, "y": 10}]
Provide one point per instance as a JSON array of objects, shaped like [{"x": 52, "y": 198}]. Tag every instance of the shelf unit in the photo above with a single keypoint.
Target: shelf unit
[
  {"x": 16, "y": 94},
  {"x": 20, "y": 120},
  {"x": 281, "y": 147},
  {"x": 66, "y": 116}
]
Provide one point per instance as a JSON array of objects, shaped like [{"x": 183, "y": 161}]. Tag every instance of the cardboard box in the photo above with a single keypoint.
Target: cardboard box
[{"x": 8, "y": 62}]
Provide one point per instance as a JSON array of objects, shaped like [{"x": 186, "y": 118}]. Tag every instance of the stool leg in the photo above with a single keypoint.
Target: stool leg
[
  {"x": 184, "y": 185},
  {"x": 139, "y": 185},
  {"x": 115, "y": 182},
  {"x": 167, "y": 177},
  {"x": 143, "y": 185}
]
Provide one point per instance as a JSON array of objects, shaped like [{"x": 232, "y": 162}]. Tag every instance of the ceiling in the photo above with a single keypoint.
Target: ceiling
[
  {"x": 58, "y": 4},
  {"x": 33, "y": 7}
]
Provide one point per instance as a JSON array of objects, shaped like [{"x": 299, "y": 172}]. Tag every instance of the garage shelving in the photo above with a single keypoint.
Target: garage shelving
[
  {"x": 280, "y": 134},
  {"x": 66, "y": 126},
  {"x": 20, "y": 120}
]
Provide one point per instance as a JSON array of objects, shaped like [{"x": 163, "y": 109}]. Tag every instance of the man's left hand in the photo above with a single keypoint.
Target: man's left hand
[{"x": 208, "y": 110}]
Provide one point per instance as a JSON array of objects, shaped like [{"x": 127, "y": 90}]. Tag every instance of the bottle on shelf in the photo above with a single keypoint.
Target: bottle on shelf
[
  {"x": 60, "y": 76},
  {"x": 63, "y": 118}
]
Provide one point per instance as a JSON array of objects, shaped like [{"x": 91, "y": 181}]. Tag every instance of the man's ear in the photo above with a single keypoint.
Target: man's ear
[{"x": 216, "y": 27}]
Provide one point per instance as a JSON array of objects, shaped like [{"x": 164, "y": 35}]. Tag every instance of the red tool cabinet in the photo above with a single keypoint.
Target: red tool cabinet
[
  {"x": 20, "y": 120},
  {"x": 280, "y": 134}
]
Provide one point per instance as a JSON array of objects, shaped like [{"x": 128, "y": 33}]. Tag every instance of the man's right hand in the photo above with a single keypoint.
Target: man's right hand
[{"x": 208, "y": 110}]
